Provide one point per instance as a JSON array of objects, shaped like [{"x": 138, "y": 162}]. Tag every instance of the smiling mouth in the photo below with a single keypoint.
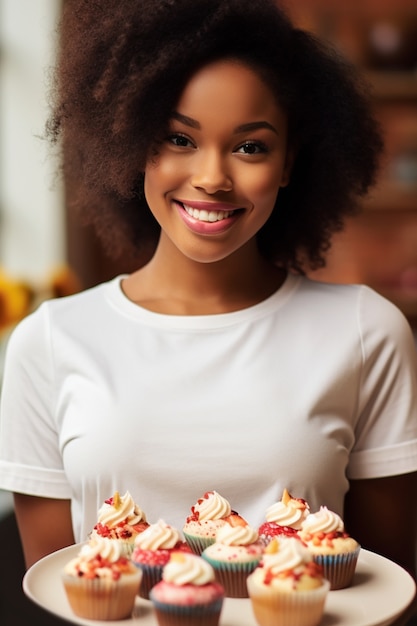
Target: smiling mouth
[{"x": 202, "y": 215}]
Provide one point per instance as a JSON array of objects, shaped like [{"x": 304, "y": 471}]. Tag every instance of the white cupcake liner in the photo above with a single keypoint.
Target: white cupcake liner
[
  {"x": 102, "y": 598},
  {"x": 273, "y": 607}
]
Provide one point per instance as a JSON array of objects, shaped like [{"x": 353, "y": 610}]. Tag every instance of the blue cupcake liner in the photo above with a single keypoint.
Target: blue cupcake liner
[
  {"x": 151, "y": 574},
  {"x": 339, "y": 569},
  {"x": 187, "y": 615},
  {"x": 232, "y": 576},
  {"x": 198, "y": 544}
]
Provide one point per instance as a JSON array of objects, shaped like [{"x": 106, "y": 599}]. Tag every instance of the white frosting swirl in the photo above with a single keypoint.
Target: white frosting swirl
[
  {"x": 291, "y": 554},
  {"x": 236, "y": 535},
  {"x": 99, "y": 546},
  {"x": 212, "y": 506},
  {"x": 323, "y": 521},
  {"x": 106, "y": 548},
  {"x": 184, "y": 568},
  {"x": 119, "y": 510},
  {"x": 288, "y": 512},
  {"x": 158, "y": 536}
]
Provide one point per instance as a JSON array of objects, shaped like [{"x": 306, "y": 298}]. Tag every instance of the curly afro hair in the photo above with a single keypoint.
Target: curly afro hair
[{"x": 121, "y": 69}]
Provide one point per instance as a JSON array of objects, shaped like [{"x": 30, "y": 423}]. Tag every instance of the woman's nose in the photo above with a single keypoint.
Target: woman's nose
[{"x": 211, "y": 173}]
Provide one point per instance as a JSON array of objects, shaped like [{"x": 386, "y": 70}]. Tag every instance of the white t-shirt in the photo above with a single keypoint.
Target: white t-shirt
[{"x": 312, "y": 386}]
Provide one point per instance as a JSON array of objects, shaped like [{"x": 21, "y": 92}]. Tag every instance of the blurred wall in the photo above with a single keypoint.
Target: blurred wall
[
  {"x": 379, "y": 247},
  {"x": 32, "y": 237}
]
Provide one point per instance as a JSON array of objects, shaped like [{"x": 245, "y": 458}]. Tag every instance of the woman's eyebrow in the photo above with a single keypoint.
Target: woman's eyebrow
[
  {"x": 184, "y": 119},
  {"x": 242, "y": 128}
]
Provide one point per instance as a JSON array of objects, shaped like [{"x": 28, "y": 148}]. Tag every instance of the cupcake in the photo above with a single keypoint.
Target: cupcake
[
  {"x": 208, "y": 514},
  {"x": 288, "y": 587},
  {"x": 332, "y": 547},
  {"x": 153, "y": 548},
  {"x": 234, "y": 555},
  {"x": 188, "y": 593},
  {"x": 120, "y": 519},
  {"x": 283, "y": 518},
  {"x": 100, "y": 582}
]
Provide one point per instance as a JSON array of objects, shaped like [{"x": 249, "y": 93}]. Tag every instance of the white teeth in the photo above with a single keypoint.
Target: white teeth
[{"x": 207, "y": 216}]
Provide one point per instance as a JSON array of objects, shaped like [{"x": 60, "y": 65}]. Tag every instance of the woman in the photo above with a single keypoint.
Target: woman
[{"x": 226, "y": 147}]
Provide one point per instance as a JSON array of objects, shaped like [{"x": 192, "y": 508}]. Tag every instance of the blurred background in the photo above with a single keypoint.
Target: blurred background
[
  {"x": 45, "y": 252},
  {"x": 379, "y": 248},
  {"x": 48, "y": 251}
]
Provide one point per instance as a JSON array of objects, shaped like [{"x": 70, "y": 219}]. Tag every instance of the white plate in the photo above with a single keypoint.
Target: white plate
[{"x": 381, "y": 591}]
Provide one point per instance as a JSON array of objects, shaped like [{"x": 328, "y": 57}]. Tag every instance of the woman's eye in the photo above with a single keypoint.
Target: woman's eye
[
  {"x": 179, "y": 140},
  {"x": 251, "y": 147}
]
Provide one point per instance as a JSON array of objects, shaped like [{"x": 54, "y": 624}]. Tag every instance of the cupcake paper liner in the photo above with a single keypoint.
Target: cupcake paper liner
[
  {"x": 151, "y": 574},
  {"x": 339, "y": 569},
  {"x": 186, "y": 615},
  {"x": 232, "y": 576},
  {"x": 198, "y": 544},
  {"x": 272, "y": 607},
  {"x": 126, "y": 546},
  {"x": 102, "y": 598}
]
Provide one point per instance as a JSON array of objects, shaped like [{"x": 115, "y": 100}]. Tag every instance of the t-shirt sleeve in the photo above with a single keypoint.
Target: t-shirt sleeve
[
  {"x": 30, "y": 458},
  {"x": 386, "y": 427}
]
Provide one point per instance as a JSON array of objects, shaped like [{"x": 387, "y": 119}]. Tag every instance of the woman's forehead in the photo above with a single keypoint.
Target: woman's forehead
[{"x": 228, "y": 87}]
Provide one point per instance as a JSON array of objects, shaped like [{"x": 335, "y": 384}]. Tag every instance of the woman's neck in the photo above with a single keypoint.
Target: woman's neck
[{"x": 176, "y": 285}]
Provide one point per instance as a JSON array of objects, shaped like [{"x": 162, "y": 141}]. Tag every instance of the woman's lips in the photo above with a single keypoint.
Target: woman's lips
[
  {"x": 204, "y": 215},
  {"x": 207, "y": 217}
]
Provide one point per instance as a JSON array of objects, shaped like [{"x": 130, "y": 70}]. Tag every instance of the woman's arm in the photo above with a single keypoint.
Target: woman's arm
[
  {"x": 381, "y": 513},
  {"x": 44, "y": 525}
]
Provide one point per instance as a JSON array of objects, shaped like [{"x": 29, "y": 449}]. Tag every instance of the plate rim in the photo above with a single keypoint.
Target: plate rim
[{"x": 367, "y": 559}]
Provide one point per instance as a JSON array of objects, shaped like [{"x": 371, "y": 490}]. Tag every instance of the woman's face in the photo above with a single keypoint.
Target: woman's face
[{"x": 215, "y": 179}]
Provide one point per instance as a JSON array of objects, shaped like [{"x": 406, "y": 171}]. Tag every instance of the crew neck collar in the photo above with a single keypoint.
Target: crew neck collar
[{"x": 119, "y": 300}]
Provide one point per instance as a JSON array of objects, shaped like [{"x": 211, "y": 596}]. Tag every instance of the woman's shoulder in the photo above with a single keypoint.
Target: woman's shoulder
[
  {"x": 357, "y": 294},
  {"x": 372, "y": 312},
  {"x": 82, "y": 307}
]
